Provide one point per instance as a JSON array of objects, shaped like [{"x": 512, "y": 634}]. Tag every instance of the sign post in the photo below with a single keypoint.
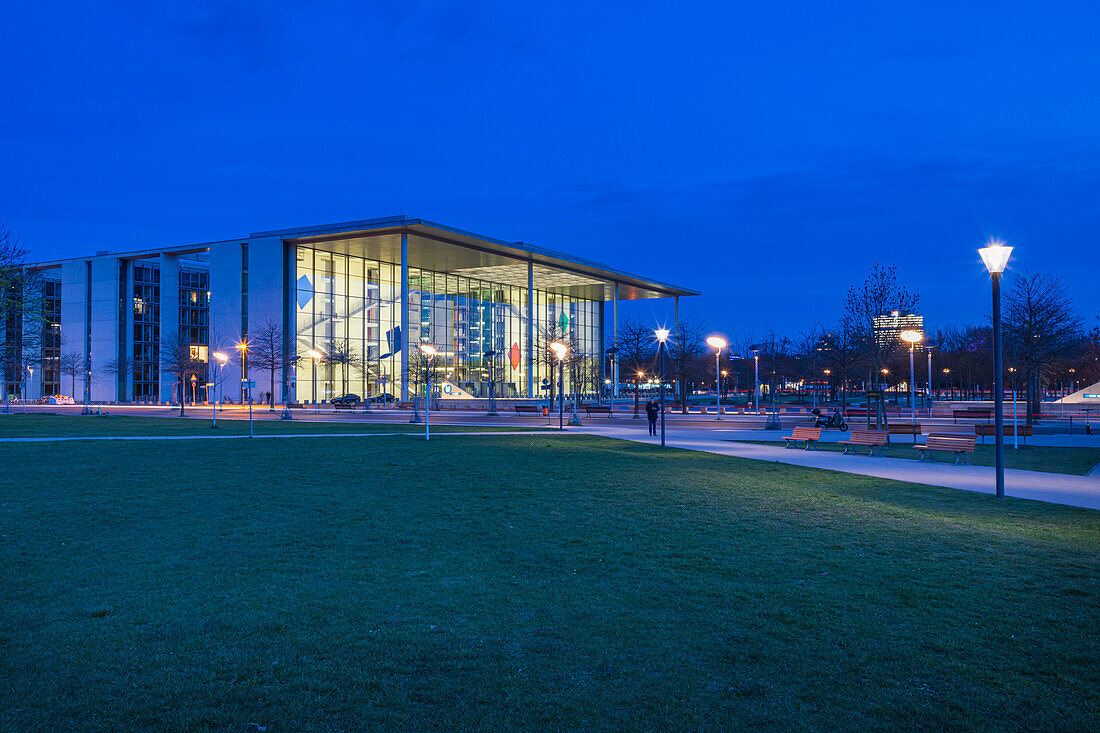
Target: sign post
[{"x": 249, "y": 385}]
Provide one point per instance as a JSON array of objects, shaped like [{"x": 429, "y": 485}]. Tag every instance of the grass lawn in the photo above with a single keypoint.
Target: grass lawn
[
  {"x": 1051, "y": 459},
  {"x": 536, "y": 581},
  {"x": 42, "y": 426}
]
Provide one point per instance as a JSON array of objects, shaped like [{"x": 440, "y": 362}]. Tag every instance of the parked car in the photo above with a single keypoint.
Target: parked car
[
  {"x": 346, "y": 399},
  {"x": 383, "y": 398}
]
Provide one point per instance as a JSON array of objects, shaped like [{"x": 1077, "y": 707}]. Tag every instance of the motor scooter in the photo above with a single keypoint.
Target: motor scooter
[{"x": 833, "y": 421}]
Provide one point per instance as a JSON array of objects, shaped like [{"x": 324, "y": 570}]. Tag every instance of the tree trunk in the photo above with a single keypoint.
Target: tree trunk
[
  {"x": 181, "y": 395},
  {"x": 272, "y": 392}
]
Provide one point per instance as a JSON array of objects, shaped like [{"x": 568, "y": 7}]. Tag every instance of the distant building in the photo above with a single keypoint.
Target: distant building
[
  {"x": 364, "y": 294},
  {"x": 888, "y": 326}
]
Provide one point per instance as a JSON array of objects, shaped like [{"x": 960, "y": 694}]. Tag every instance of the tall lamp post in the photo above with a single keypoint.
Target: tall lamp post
[
  {"x": 912, "y": 338},
  {"x": 560, "y": 350},
  {"x": 25, "y": 388},
  {"x": 662, "y": 336},
  {"x": 613, "y": 352},
  {"x": 929, "y": 349},
  {"x": 220, "y": 358},
  {"x": 243, "y": 348},
  {"x": 995, "y": 256},
  {"x": 947, "y": 378},
  {"x": 429, "y": 351},
  {"x": 717, "y": 343},
  {"x": 316, "y": 356},
  {"x": 756, "y": 377},
  {"x": 489, "y": 356},
  {"x": 637, "y": 381}
]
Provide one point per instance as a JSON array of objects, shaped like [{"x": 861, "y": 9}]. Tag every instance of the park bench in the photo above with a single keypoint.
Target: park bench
[
  {"x": 528, "y": 410},
  {"x": 343, "y": 406},
  {"x": 870, "y": 438},
  {"x": 971, "y": 413},
  {"x": 984, "y": 430},
  {"x": 960, "y": 445},
  {"x": 809, "y": 435},
  {"x": 904, "y": 428},
  {"x": 597, "y": 409}
]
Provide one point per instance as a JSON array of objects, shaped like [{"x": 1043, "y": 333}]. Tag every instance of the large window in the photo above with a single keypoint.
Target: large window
[
  {"x": 348, "y": 309},
  {"x": 146, "y": 355}
]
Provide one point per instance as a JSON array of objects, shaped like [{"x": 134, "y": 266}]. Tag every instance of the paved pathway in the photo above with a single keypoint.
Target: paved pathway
[
  {"x": 259, "y": 436},
  {"x": 1083, "y": 491}
]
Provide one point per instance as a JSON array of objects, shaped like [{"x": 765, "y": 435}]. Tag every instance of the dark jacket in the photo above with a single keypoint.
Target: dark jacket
[{"x": 652, "y": 410}]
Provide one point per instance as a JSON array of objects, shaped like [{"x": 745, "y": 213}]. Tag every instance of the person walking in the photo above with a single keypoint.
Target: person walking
[{"x": 652, "y": 411}]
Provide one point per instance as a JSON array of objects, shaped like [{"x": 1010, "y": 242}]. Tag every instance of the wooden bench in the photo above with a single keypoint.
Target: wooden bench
[
  {"x": 597, "y": 409},
  {"x": 528, "y": 410},
  {"x": 975, "y": 413},
  {"x": 984, "y": 430},
  {"x": 904, "y": 428},
  {"x": 345, "y": 406},
  {"x": 809, "y": 435},
  {"x": 870, "y": 438},
  {"x": 960, "y": 445}
]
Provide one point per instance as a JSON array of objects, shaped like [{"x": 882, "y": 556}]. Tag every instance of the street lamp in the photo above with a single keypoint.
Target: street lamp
[
  {"x": 637, "y": 381},
  {"x": 756, "y": 376},
  {"x": 221, "y": 358},
  {"x": 31, "y": 370},
  {"x": 662, "y": 336},
  {"x": 316, "y": 356},
  {"x": 912, "y": 338},
  {"x": 428, "y": 351},
  {"x": 489, "y": 356},
  {"x": 946, "y": 373},
  {"x": 560, "y": 350},
  {"x": 242, "y": 346},
  {"x": 613, "y": 352},
  {"x": 718, "y": 343},
  {"x": 995, "y": 256}
]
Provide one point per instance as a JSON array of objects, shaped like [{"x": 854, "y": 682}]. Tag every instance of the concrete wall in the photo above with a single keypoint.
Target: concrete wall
[{"x": 104, "y": 326}]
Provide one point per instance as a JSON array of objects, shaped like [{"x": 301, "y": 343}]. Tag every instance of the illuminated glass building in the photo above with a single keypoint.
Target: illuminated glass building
[{"x": 363, "y": 294}]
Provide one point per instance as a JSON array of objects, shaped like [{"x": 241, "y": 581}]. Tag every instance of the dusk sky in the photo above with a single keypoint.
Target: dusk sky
[{"x": 764, "y": 153}]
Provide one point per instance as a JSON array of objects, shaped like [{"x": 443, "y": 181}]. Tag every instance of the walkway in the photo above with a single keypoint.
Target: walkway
[{"x": 1057, "y": 488}]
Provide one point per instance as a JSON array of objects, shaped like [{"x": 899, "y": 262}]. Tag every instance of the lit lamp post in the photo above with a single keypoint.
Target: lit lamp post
[
  {"x": 221, "y": 359},
  {"x": 560, "y": 350},
  {"x": 1015, "y": 429},
  {"x": 929, "y": 348},
  {"x": 316, "y": 356},
  {"x": 756, "y": 377},
  {"x": 725, "y": 382},
  {"x": 995, "y": 256},
  {"x": 637, "y": 381},
  {"x": 25, "y": 388},
  {"x": 718, "y": 343},
  {"x": 243, "y": 348},
  {"x": 662, "y": 336},
  {"x": 429, "y": 351},
  {"x": 912, "y": 338},
  {"x": 828, "y": 382},
  {"x": 946, "y": 376}
]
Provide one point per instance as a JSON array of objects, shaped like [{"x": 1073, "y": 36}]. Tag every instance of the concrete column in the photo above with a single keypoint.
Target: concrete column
[
  {"x": 531, "y": 330},
  {"x": 679, "y": 336},
  {"x": 169, "y": 321},
  {"x": 405, "y": 346},
  {"x": 615, "y": 336},
  {"x": 603, "y": 347}
]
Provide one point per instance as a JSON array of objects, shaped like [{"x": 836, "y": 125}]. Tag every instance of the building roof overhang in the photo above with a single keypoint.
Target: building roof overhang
[{"x": 441, "y": 248}]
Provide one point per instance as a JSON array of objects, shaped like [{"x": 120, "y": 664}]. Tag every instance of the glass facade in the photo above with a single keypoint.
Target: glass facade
[
  {"x": 348, "y": 308},
  {"x": 146, "y": 321},
  {"x": 51, "y": 336}
]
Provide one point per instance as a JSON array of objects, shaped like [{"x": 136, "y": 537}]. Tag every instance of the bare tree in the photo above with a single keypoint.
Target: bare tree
[
  {"x": 71, "y": 365},
  {"x": 422, "y": 370},
  {"x": 683, "y": 349},
  {"x": 266, "y": 352},
  {"x": 1041, "y": 326},
  {"x": 841, "y": 353},
  {"x": 23, "y": 319},
  {"x": 176, "y": 358},
  {"x": 878, "y": 295},
  {"x": 343, "y": 356}
]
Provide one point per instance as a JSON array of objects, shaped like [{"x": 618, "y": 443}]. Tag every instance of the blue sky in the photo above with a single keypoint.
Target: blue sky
[{"x": 763, "y": 153}]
